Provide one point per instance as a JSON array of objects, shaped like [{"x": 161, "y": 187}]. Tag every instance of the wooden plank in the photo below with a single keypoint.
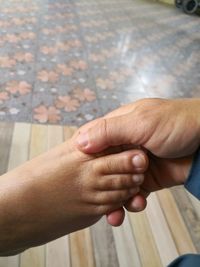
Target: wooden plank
[
  {"x": 11, "y": 146},
  {"x": 35, "y": 257},
  {"x": 188, "y": 213},
  {"x": 104, "y": 245},
  {"x": 195, "y": 203},
  {"x": 57, "y": 252},
  {"x": 126, "y": 247},
  {"x": 19, "y": 151},
  {"x": 69, "y": 131},
  {"x": 175, "y": 222},
  {"x": 6, "y": 131},
  {"x": 148, "y": 252},
  {"x": 38, "y": 141},
  {"x": 80, "y": 241},
  {"x": 9, "y": 261},
  {"x": 164, "y": 241},
  {"x": 81, "y": 249},
  {"x": 55, "y": 136}
]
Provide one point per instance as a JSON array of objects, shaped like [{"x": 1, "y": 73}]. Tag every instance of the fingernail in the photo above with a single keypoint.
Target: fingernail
[
  {"x": 138, "y": 161},
  {"x": 82, "y": 140},
  {"x": 138, "y": 178}
]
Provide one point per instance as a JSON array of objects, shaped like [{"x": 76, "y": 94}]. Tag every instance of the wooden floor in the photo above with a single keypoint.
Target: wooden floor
[{"x": 169, "y": 227}]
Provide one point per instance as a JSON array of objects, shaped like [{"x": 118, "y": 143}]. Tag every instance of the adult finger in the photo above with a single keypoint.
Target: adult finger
[{"x": 110, "y": 132}]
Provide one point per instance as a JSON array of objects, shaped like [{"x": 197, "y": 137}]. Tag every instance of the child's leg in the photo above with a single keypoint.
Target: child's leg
[{"x": 62, "y": 191}]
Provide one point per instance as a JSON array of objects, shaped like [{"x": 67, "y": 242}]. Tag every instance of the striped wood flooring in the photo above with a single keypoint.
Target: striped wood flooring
[{"x": 167, "y": 228}]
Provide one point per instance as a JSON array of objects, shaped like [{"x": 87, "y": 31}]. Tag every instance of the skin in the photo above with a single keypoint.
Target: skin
[
  {"x": 169, "y": 132},
  {"x": 62, "y": 191}
]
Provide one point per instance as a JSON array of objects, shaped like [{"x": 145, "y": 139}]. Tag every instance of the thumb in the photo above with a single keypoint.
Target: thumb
[{"x": 109, "y": 132}]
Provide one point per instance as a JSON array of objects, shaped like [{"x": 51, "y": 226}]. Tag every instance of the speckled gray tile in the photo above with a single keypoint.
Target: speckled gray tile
[{"x": 71, "y": 61}]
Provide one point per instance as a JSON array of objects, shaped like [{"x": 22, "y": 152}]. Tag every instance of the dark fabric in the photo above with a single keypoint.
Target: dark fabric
[
  {"x": 193, "y": 186},
  {"x": 188, "y": 260},
  {"x": 193, "y": 182}
]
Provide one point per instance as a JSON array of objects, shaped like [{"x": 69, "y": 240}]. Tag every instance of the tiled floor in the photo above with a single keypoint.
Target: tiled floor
[{"x": 67, "y": 62}]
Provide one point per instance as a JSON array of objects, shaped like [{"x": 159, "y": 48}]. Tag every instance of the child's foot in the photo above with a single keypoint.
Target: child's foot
[{"x": 62, "y": 191}]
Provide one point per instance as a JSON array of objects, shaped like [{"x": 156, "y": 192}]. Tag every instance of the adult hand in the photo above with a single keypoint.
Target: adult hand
[{"x": 167, "y": 129}]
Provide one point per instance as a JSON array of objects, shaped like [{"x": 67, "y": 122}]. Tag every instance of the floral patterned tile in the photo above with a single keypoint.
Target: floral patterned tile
[
  {"x": 109, "y": 102},
  {"x": 71, "y": 61},
  {"x": 74, "y": 107},
  {"x": 16, "y": 105}
]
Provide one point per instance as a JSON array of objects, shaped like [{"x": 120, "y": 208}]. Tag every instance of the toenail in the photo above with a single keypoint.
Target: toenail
[
  {"x": 138, "y": 178},
  {"x": 136, "y": 206},
  {"x": 82, "y": 140},
  {"x": 138, "y": 161}
]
